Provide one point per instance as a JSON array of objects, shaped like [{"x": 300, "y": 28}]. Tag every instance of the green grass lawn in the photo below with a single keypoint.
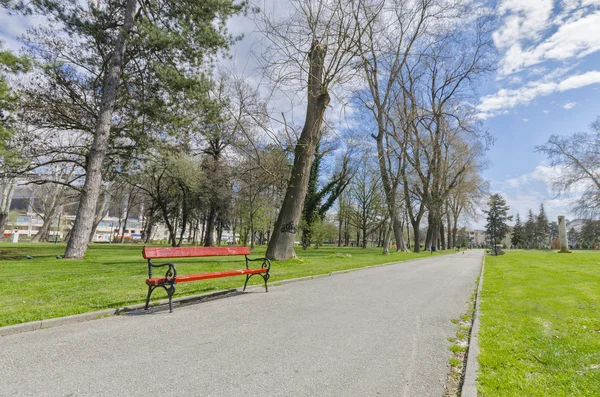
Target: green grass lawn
[
  {"x": 540, "y": 325},
  {"x": 113, "y": 276}
]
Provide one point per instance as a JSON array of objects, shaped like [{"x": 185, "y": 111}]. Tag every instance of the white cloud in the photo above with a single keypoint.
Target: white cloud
[
  {"x": 576, "y": 38},
  {"x": 546, "y": 111},
  {"x": 580, "y": 80},
  {"x": 526, "y": 120},
  {"x": 523, "y": 20},
  {"x": 529, "y": 190},
  {"x": 570, "y": 105},
  {"x": 541, "y": 173},
  {"x": 507, "y": 99}
]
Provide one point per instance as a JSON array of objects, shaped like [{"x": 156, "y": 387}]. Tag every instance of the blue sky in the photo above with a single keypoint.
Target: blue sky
[{"x": 547, "y": 82}]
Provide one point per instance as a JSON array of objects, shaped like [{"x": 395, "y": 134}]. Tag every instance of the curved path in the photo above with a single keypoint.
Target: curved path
[{"x": 378, "y": 331}]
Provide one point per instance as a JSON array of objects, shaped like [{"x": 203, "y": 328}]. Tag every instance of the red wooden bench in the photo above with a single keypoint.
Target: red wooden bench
[{"x": 171, "y": 278}]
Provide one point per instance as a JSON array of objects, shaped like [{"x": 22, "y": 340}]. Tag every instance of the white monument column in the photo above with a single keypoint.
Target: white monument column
[{"x": 562, "y": 235}]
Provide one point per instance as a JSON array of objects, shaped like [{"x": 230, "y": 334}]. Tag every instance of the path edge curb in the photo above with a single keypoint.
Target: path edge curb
[
  {"x": 469, "y": 387},
  {"x": 84, "y": 317}
]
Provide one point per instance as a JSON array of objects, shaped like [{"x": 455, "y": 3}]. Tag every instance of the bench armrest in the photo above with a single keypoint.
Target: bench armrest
[
  {"x": 266, "y": 264},
  {"x": 171, "y": 273}
]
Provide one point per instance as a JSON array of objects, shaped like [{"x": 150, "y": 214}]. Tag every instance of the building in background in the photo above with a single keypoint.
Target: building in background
[{"x": 476, "y": 238}]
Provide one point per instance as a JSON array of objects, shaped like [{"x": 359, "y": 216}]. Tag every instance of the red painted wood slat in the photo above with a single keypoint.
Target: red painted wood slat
[
  {"x": 206, "y": 276},
  {"x": 185, "y": 252}
]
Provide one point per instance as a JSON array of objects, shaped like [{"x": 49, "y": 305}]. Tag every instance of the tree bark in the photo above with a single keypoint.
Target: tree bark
[
  {"x": 82, "y": 227},
  {"x": 252, "y": 237},
  {"x": 233, "y": 229},
  {"x": 42, "y": 234},
  {"x": 202, "y": 233},
  {"x": 281, "y": 244},
  {"x": 387, "y": 237},
  {"x": 407, "y": 230},
  {"x": 8, "y": 188},
  {"x": 442, "y": 237},
  {"x": 210, "y": 227},
  {"x": 3, "y": 222},
  {"x": 148, "y": 229},
  {"x": 339, "y": 244},
  {"x": 450, "y": 243},
  {"x": 398, "y": 235},
  {"x": 184, "y": 220}
]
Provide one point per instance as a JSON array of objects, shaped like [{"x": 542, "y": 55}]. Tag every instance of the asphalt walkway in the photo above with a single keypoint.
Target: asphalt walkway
[{"x": 374, "y": 332}]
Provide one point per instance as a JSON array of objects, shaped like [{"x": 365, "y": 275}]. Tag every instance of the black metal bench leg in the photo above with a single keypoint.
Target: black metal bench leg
[
  {"x": 150, "y": 289},
  {"x": 266, "y": 277},
  {"x": 170, "y": 291},
  {"x": 246, "y": 283}
]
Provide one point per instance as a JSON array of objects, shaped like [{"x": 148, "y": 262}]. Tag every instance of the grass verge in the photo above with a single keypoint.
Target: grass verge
[
  {"x": 460, "y": 347},
  {"x": 540, "y": 325},
  {"x": 113, "y": 276}
]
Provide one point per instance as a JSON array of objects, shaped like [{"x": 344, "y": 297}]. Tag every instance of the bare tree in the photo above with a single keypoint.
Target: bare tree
[
  {"x": 315, "y": 47},
  {"x": 421, "y": 57},
  {"x": 577, "y": 158},
  {"x": 366, "y": 195},
  {"x": 388, "y": 46},
  {"x": 49, "y": 198}
]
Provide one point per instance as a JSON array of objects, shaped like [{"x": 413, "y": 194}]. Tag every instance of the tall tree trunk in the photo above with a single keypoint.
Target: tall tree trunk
[
  {"x": 451, "y": 243},
  {"x": 281, "y": 245},
  {"x": 407, "y": 229},
  {"x": 80, "y": 233},
  {"x": 398, "y": 235},
  {"x": 202, "y": 233},
  {"x": 252, "y": 237},
  {"x": 123, "y": 230},
  {"x": 416, "y": 224},
  {"x": 442, "y": 236},
  {"x": 42, "y": 234},
  {"x": 184, "y": 220},
  {"x": 387, "y": 237},
  {"x": 194, "y": 232},
  {"x": 93, "y": 229},
  {"x": 210, "y": 227},
  {"x": 455, "y": 228},
  {"x": 219, "y": 233},
  {"x": 3, "y": 222},
  {"x": 435, "y": 231},
  {"x": 100, "y": 214},
  {"x": 233, "y": 229},
  {"x": 339, "y": 244},
  {"x": 346, "y": 236},
  {"x": 8, "y": 189},
  {"x": 148, "y": 230},
  {"x": 429, "y": 235},
  {"x": 126, "y": 216}
]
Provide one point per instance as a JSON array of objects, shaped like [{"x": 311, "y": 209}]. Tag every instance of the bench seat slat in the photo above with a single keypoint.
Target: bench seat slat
[
  {"x": 185, "y": 252},
  {"x": 206, "y": 276}
]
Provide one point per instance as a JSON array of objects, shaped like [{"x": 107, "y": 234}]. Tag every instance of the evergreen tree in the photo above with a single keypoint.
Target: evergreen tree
[
  {"x": 529, "y": 230},
  {"x": 10, "y": 64},
  {"x": 572, "y": 237},
  {"x": 10, "y": 156},
  {"x": 517, "y": 238},
  {"x": 553, "y": 232},
  {"x": 589, "y": 235},
  {"x": 542, "y": 229},
  {"x": 110, "y": 64},
  {"x": 497, "y": 216}
]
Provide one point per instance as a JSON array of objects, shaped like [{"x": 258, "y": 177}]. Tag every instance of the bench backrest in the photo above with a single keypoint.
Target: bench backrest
[{"x": 185, "y": 252}]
